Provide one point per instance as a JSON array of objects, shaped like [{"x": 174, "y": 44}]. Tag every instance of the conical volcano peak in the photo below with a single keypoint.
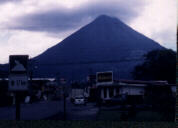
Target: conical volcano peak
[
  {"x": 104, "y": 44},
  {"x": 108, "y": 23},
  {"x": 107, "y": 18},
  {"x": 104, "y": 16}
]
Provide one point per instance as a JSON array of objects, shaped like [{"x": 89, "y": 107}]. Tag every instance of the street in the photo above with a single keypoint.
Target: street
[
  {"x": 77, "y": 112},
  {"x": 52, "y": 110},
  {"x": 34, "y": 111}
]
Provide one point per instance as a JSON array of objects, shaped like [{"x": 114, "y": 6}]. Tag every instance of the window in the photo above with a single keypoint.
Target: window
[
  {"x": 12, "y": 82},
  {"x": 105, "y": 93},
  {"x": 111, "y": 92},
  {"x": 117, "y": 91}
]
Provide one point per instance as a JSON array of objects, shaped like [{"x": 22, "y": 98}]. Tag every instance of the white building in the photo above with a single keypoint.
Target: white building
[{"x": 130, "y": 88}]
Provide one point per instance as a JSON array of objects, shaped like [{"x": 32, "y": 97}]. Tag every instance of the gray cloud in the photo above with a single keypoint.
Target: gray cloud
[
  {"x": 5, "y": 1},
  {"x": 62, "y": 19},
  {"x": 167, "y": 37}
]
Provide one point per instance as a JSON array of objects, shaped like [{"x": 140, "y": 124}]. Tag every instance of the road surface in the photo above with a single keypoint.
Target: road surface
[{"x": 51, "y": 110}]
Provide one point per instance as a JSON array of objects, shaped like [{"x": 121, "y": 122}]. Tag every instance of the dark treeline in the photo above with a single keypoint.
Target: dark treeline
[{"x": 158, "y": 65}]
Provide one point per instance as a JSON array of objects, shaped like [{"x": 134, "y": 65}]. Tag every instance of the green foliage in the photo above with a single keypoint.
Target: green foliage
[
  {"x": 158, "y": 65},
  {"x": 84, "y": 124},
  {"x": 162, "y": 101}
]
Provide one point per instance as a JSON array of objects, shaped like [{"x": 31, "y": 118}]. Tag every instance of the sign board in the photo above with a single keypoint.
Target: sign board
[
  {"x": 18, "y": 64},
  {"x": 104, "y": 77},
  {"x": 62, "y": 81},
  {"x": 91, "y": 78},
  {"x": 18, "y": 72},
  {"x": 18, "y": 82}
]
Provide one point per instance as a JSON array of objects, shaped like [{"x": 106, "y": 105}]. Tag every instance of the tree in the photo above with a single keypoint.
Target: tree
[
  {"x": 158, "y": 65},
  {"x": 161, "y": 100}
]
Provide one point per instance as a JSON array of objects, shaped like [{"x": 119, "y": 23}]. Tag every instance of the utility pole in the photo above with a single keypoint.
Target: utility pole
[
  {"x": 64, "y": 95},
  {"x": 17, "y": 102},
  {"x": 30, "y": 65},
  {"x": 63, "y": 82},
  {"x": 118, "y": 74}
]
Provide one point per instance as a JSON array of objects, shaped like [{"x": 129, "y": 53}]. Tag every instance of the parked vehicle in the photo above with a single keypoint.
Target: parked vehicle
[
  {"x": 79, "y": 100},
  {"x": 117, "y": 100}
]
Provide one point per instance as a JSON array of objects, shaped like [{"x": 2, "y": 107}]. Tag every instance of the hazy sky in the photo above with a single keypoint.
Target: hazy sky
[{"x": 32, "y": 26}]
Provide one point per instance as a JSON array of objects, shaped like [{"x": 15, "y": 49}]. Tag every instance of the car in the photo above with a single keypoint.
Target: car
[
  {"x": 79, "y": 100},
  {"x": 116, "y": 100}
]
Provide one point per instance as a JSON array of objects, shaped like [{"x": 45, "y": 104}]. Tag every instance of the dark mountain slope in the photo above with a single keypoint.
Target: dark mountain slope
[{"x": 104, "y": 44}]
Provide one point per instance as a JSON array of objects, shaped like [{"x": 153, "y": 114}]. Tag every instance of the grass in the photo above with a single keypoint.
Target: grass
[
  {"x": 104, "y": 122},
  {"x": 109, "y": 115},
  {"x": 147, "y": 116},
  {"x": 84, "y": 124},
  {"x": 126, "y": 116}
]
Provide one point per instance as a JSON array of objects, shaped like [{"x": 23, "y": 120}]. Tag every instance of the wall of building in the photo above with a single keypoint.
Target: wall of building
[
  {"x": 110, "y": 91},
  {"x": 131, "y": 90}
]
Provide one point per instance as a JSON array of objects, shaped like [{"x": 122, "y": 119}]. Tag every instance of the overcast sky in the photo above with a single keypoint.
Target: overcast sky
[{"x": 32, "y": 26}]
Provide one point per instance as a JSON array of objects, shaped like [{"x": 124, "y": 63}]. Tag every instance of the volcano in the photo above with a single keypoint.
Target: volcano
[{"x": 105, "y": 44}]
